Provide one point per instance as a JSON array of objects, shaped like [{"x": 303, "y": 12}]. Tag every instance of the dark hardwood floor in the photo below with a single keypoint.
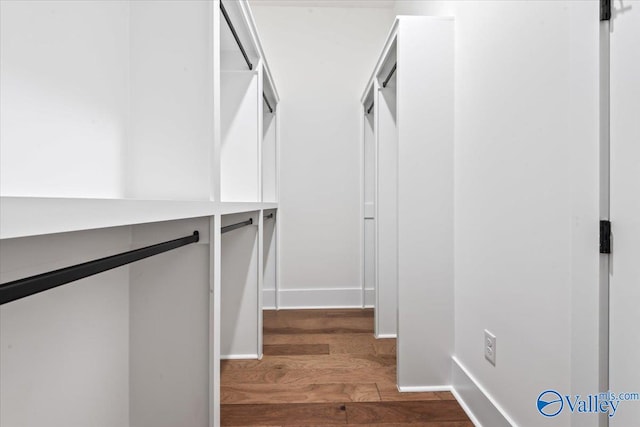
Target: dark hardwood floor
[{"x": 325, "y": 368}]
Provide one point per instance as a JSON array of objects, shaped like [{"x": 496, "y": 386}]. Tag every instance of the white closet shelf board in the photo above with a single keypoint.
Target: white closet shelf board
[{"x": 32, "y": 216}]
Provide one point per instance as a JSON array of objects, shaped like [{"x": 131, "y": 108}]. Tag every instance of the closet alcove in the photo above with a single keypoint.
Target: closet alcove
[{"x": 117, "y": 135}]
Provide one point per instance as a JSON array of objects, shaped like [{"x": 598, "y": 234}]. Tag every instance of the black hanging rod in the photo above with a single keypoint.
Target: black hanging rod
[
  {"x": 232, "y": 227},
  {"x": 393, "y": 70},
  {"x": 17, "y": 289},
  {"x": 266, "y": 101},
  {"x": 370, "y": 107},
  {"x": 268, "y": 216},
  {"x": 235, "y": 35},
  {"x": 244, "y": 52}
]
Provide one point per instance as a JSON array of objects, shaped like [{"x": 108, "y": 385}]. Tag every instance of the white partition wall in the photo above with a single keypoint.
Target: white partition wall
[
  {"x": 414, "y": 198},
  {"x": 425, "y": 202}
]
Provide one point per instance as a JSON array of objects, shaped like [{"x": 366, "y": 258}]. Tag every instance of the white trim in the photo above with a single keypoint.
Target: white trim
[
  {"x": 465, "y": 408},
  {"x": 319, "y": 298},
  {"x": 384, "y": 336},
  {"x": 240, "y": 357},
  {"x": 361, "y": 236},
  {"x": 371, "y": 4},
  {"x": 481, "y": 408},
  {"x": 269, "y": 299},
  {"x": 423, "y": 389},
  {"x": 369, "y": 298}
]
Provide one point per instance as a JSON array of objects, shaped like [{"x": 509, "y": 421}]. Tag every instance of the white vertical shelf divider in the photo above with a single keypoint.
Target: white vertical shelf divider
[
  {"x": 413, "y": 127},
  {"x": 368, "y": 200},
  {"x": 269, "y": 259}
]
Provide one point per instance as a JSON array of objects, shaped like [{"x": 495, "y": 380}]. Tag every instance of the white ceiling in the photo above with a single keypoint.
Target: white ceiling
[{"x": 325, "y": 3}]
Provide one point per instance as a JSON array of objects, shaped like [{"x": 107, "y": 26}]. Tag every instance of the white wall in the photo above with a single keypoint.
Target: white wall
[
  {"x": 321, "y": 58},
  {"x": 625, "y": 207},
  {"x": 106, "y": 99},
  {"x": 526, "y": 197},
  {"x": 169, "y": 328},
  {"x": 171, "y": 100},
  {"x": 63, "y": 97},
  {"x": 64, "y": 358}
]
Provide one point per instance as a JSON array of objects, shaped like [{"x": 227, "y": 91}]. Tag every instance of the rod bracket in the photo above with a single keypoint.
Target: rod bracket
[
  {"x": 605, "y": 10},
  {"x": 605, "y": 236}
]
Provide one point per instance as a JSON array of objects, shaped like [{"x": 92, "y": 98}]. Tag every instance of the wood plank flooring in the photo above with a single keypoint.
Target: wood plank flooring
[{"x": 325, "y": 368}]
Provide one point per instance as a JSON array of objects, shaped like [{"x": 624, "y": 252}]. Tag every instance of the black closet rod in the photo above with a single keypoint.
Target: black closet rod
[
  {"x": 370, "y": 108},
  {"x": 266, "y": 101},
  {"x": 235, "y": 35},
  {"x": 244, "y": 52},
  {"x": 232, "y": 227},
  {"x": 393, "y": 70},
  {"x": 17, "y": 289}
]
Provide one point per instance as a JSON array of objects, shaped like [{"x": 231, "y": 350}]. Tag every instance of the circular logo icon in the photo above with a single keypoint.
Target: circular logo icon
[{"x": 550, "y": 403}]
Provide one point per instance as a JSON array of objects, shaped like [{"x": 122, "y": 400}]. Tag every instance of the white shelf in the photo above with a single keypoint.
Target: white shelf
[{"x": 32, "y": 216}]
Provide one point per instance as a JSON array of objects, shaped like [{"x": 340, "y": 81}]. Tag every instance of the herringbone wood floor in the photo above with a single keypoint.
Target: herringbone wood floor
[{"x": 325, "y": 368}]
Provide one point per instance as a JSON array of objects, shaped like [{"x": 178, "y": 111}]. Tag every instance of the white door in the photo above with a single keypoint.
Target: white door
[{"x": 624, "y": 361}]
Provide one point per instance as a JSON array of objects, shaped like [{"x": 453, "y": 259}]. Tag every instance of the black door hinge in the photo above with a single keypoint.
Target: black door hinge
[
  {"x": 605, "y": 236},
  {"x": 605, "y": 10}
]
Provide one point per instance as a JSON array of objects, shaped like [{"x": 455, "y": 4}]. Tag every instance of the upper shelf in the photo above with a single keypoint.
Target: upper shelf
[{"x": 31, "y": 216}]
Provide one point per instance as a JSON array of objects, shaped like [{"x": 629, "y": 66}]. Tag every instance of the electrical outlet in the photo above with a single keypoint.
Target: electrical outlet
[{"x": 490, "y": 347}]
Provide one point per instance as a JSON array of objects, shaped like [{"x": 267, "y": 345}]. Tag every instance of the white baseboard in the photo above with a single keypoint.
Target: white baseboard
[
  {"x": 269, "y": 299},
  {"x": 239, "y": 357},
  {"x": 320, "y": 298},
  {"x": 479, "y": 406},
  {"x": 422, "y": 389},
  {"x": 369, "y": 298},
  {"x": 383, "y": 336}
]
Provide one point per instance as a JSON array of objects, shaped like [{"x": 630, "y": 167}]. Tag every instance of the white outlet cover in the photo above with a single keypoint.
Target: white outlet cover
[{"x": 490, "y": 347}]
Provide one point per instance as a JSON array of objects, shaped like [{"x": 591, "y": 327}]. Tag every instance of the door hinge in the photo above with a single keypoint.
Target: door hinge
[
  {"x": 605, "y": 236},
  {"x": 605, "y": 10}
]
